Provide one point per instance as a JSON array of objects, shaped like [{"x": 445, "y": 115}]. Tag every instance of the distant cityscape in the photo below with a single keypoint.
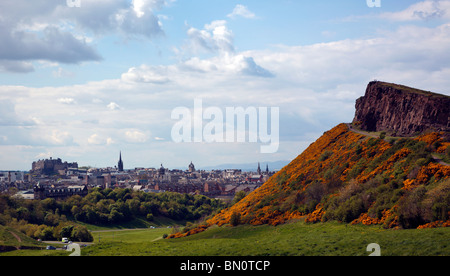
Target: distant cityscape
[{"x": 53, "y": 178}]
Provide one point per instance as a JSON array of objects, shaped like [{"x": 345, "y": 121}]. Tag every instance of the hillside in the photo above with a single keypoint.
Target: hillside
[
  {"x": 11, "y": 239},
  {"x": 349, "y": 177}
]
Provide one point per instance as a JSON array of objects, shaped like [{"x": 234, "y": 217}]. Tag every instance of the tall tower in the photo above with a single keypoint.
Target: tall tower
[
  {"x": 259, "y": 169},
  {"x": 120, "y": 164},
  {"x": 191, "y": 167}
]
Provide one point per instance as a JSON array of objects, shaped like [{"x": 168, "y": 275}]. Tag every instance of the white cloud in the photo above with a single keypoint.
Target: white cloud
[
  {"x": 50, "y": 30},
  {"x": 135, "y": 136},
  {"x": 110, "y": 141},
  {"x": 67, "y": 100},
  {"x": 113, "y": 106},
  {"x": 147, "y": 74},
  {"x": 215, "y": 37},
  {"x": 61, "y": 73},
  {"x": 15, "y": 66},
  {"x": 241, "y": 11},
  {"x": 98, "y": 140},
  {"x": 95, "y": 139},
  {"x": 425, "y": 10},
  {"x": 61, "y": 138}
]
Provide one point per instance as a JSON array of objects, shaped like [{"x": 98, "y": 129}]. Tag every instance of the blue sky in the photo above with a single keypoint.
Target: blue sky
[{"x": 83, "y": 83}]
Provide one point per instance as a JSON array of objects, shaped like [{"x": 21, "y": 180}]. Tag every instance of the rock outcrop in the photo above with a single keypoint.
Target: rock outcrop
[{"x": 401, "y": 110}]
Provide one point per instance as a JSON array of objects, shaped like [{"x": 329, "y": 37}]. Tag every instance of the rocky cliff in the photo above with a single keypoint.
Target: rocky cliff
[{"x": 401, "y": 110}]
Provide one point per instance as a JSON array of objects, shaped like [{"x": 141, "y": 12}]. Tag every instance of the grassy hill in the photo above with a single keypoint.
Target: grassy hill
[
  {"x": 348, "y": 177},
  {"x": 11, "y": 239},
  {"x": 292, "y": 239}
]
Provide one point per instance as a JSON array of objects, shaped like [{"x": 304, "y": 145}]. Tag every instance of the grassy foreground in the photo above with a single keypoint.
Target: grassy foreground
[{"x": 293, "y": 239}]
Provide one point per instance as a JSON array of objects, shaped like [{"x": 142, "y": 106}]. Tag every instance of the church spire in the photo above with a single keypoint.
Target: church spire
[{"x": 120, "y": 164}]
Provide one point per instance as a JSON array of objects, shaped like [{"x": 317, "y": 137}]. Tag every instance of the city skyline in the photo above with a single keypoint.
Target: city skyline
[
  {"x": 120, "y": 166},
  {"x": 83, "y": 83}
]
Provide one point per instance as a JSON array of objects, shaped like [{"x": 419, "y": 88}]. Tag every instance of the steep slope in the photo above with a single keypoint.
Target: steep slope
[{"x": 353, "y": 178}]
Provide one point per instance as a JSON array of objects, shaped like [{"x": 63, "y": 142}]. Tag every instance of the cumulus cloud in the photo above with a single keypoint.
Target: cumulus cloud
[
  {"x": 113, "y": 106},
  {"x": 215, "y": 37},
  {"x": 60, "y": 138},
  {"x": 146, "y": 74},
  {"x": 98, "y": 140},
  {"x": 52, "y": 44},
  {"x": 234, "y": 64},
  {"x": 241, "y": 11},
  {"x": 135, "y": 136},
  {"x": 15, "y": 66},
  {"x": 67, "y": 100},
  {"x": 131, "y": 18},
  {"x": 53, "y": 31},
  {"x": 10, "y": 117},
  {"x": 95, "y": 139},
  {"x": 425, "y": 10},
  {"x": 61, "y": 73}
]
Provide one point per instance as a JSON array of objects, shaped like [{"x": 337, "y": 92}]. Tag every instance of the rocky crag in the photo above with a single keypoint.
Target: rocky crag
[{"x": 402, "y": 111}]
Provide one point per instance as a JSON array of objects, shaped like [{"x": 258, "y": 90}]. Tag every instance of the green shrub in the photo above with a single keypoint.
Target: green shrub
[
  {"x": 327, "y": 154},
  {"x": 235, "y": 219}
]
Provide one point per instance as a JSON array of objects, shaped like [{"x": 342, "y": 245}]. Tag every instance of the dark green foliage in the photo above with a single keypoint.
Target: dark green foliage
[
  {"x": 238, "y": 197},
  {"x": 235, "y": 219},
  {"x": 410, "y": 210},
  {"x": 447, "y": 155},
  {"x": 47, "y": 219},
  {"x": 325, "y": 155}
]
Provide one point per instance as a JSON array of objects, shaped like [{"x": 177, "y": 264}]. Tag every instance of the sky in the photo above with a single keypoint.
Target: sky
[{"x": 83, "y": 80}]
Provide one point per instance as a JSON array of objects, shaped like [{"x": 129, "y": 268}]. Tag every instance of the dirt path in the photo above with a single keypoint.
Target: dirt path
[
  {"x": 374, "y": 135},
  {"x": 18, "y": 239},
  {"x": 365, "y": 133},
  {"x": 439, "y": 160}
]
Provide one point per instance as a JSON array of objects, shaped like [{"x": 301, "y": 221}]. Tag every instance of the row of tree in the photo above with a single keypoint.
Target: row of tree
[{"x": 47, "y": 218}]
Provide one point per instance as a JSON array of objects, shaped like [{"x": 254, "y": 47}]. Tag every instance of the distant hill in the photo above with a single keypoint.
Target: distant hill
[{"x": 350, "y": 177}]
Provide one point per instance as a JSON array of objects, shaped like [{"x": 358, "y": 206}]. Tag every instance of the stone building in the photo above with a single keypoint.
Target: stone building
[
  {"x": 42, "y": 192},
  {"x": 51, "y": 166}
]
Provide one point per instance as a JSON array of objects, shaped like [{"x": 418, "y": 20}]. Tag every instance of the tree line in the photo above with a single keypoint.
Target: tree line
[{"x": 51, "y": 219}]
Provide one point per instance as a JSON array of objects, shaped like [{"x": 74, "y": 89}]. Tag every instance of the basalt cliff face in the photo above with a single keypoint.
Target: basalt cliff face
[{"x": 401, "y": 110}]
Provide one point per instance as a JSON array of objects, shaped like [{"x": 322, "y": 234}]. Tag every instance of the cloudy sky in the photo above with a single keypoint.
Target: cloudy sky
[{"x": 83, "y": 83}]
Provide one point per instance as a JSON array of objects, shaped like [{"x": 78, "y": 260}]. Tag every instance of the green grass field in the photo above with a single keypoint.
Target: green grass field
[{"x": 293, "y": 239}]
